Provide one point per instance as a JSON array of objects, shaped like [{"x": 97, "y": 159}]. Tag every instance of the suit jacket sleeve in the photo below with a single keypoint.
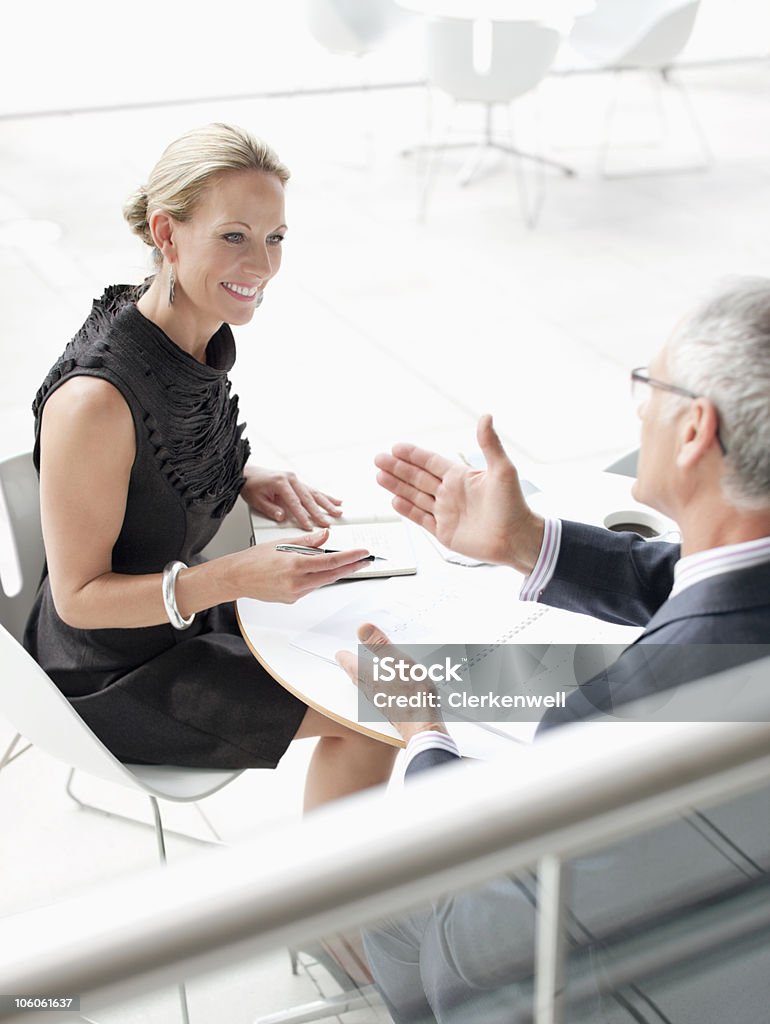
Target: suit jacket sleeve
[
  {"x": 615, "y": 576},
  {"x": 428, "y": 759}
]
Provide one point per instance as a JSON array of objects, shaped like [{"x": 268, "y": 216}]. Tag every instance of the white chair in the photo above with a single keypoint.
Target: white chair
[
  {"x": 350, "y": 30},
  {"x": 36, "y": 708},
  {"x": 640, "y": 35},
  {"x": 625, "y": 465},
  {"x": 491, "y": 63},
  {"x": 350, "y": 27}
]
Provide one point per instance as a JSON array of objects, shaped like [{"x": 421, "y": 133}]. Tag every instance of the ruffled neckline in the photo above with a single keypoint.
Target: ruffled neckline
[{"x": 118, "y": 306}]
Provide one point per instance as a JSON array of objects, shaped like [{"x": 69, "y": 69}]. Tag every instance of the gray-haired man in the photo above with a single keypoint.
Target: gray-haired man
[{"x": 705, "y": 462}]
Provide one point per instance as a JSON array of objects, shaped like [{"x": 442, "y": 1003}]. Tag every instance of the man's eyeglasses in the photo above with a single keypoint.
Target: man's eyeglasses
[{"x": 640, "y": 379}]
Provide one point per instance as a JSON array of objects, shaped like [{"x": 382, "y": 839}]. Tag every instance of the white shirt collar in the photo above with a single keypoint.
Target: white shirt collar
[{"x": 727, "y": 558}]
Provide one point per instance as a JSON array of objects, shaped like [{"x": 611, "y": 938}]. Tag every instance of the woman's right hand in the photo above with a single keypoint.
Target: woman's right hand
[
  {"x": 284, "y": 577},
  {"x": 87, "y": 449}
]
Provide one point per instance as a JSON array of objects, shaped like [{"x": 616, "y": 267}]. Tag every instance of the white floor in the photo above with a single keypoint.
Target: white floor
[{"x": 379, "y": 328}]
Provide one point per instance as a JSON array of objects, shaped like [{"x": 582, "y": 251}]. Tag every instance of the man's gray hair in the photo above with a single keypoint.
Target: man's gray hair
[{"x": 722, "y": 351}]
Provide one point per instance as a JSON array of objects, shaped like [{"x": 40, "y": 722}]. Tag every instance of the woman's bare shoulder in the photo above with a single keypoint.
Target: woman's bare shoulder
[
  {"x": 88, "y": 396},
  {"x": 92, "y": 405}
]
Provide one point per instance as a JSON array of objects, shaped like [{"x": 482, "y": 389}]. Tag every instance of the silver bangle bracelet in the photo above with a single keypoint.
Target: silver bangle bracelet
[{"x": 168, "y": 585}]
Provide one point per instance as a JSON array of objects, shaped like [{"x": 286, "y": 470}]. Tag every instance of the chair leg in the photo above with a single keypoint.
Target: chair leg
[
  {"x": 161, "y": 839},
  {"x": 676, "y": 83},
  {"x": 323, "y": 1008},
  {"x": 530, "y": 209},
  {"x": 183, "y": 1008},
  {"x": 207, "y": 821},
  {"x": 9, "y": 755},
  {"x": 609, "y": 120},
  {"x": 665, "y": 77},
  {"x": 536, "y": 157},
  {"x": 85, "y": 806},
  {"x": 434, "y": 152},
  {"x": 542, "y": 161},
  {"x": 485, "y": 142}
]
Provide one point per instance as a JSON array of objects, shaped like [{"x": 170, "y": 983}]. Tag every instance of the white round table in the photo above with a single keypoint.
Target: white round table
[{"x": 270, "y": 628}]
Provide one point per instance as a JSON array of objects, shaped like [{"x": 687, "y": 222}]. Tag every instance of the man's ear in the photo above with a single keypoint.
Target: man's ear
[
  {"x": 699, "y": 432},
  {"x": 161, "y": 226}
]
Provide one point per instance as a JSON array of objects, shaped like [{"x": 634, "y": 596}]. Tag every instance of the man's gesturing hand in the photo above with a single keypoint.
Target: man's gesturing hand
[
  {"x": 480, "y": 513},
  {"x": 360, "y": 671}
]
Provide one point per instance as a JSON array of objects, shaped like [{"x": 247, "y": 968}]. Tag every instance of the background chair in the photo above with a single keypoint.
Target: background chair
[
  {"x": 350, "y": 30},
  {"x": 518, "y": 56},
  {"x": 640, "y": 35},
  {"x": 625, "y": 465},
  {"x": 351, "y": 27}
]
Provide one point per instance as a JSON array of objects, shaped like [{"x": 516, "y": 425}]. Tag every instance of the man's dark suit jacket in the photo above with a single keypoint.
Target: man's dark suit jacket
[
  {"x": 718, "y": 622},
  {"x": 711, "y": 626}
]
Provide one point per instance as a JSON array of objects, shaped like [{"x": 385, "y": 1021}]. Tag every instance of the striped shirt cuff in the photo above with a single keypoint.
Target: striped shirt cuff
[
  {"x": 429, "y": 740},
  {"x": 541, "y": 575}
]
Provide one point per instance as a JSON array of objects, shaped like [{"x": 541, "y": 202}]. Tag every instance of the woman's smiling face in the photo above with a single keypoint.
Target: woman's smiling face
[{"x": 229, "y": 248}]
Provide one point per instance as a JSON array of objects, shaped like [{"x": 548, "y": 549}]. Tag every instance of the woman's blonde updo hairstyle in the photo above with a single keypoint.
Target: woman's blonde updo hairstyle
[{"x": 182, "y": 174}]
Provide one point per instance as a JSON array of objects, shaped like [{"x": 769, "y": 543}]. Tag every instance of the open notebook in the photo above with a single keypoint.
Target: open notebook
[{"x": 387, "y": 538}]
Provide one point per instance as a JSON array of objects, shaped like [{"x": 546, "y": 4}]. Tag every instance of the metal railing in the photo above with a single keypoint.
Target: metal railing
[{"x": 374, "y": 854}]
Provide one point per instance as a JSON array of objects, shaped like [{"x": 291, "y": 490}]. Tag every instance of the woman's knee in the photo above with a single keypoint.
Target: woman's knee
[{"x": 314, "y": 724}]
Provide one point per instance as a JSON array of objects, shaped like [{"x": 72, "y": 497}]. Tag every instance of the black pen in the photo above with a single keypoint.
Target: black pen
[{"x": 300, "y": 549}]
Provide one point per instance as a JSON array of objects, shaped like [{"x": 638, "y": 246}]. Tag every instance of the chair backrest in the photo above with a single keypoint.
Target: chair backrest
[
  {"x": 21, "y": 494},
  {"x": 521, "y": 54},
  {"x": 635, "y": 33},
  {"x": 350, "y": 26},
  {"x": 36, "y": 708},
  {"x": 233, "y": 534}
]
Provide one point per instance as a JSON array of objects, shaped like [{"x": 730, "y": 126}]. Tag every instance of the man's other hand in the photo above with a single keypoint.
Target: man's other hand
[{"x": 361, "y": 673}]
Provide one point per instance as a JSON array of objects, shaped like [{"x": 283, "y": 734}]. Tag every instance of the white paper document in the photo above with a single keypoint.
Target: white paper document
[
  {"x": 440, "y": 615},
  {"x": 513, "y": 647},
  {"x": 389, "y": 540},
  {"x": 404, "y": 619}
]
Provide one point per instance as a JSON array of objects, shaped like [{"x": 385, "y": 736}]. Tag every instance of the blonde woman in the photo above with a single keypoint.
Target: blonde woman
[{"x": 140, "y": 456}]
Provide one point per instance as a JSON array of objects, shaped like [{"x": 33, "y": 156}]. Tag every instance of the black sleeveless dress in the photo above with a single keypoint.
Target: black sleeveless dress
[{"x": 157, "y": 695}]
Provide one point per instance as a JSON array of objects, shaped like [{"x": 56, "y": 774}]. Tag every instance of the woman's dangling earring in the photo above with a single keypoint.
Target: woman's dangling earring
[{"x": 171, "y": 285}]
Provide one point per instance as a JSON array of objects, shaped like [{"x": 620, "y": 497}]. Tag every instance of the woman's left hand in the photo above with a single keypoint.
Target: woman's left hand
[{"x": 282, "y": 496}]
